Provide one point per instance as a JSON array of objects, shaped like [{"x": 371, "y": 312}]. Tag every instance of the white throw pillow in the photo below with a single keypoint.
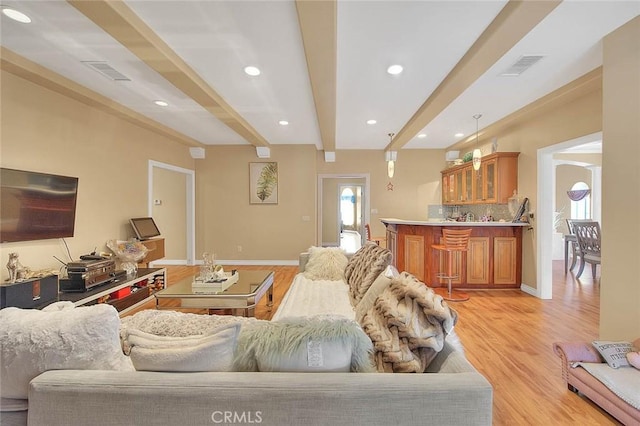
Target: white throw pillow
[
  {"x": 614, "y": 353},
  {"x": 211, "y": 352},
  {"x": 312, "y": 344},
  {"x": 326, "y": 263},
  {"x": 34, "y": 341}
]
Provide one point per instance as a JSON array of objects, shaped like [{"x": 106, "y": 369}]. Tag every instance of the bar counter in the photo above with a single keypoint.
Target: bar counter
[{"x": 494, "y": 258}]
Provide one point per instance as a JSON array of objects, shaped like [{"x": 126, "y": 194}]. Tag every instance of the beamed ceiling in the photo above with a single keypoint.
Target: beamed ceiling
[{"x": 323, "y": 65}]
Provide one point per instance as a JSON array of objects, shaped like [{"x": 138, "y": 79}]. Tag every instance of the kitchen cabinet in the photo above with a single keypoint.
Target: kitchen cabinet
[
  {"x": 478, "y": 260},
  {"x": 505, "y": 248},
  {"x": 493, "y": 259},
  {"x": 493, "y": 183}
]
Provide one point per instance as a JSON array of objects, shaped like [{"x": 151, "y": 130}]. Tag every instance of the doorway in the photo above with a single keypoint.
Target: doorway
[
  {"x": 351, "y": 221},
  {"x": 180, "y": 202},
  {"x": 330, "y": 187},
  {"x": 546, "y": 189}
]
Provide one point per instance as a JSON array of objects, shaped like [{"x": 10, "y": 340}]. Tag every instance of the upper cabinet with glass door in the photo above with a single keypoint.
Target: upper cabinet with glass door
[{"x": 493, "y": 183}]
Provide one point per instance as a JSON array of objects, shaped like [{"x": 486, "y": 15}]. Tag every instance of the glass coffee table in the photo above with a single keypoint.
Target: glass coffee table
[{"x": 241, "y": 296}]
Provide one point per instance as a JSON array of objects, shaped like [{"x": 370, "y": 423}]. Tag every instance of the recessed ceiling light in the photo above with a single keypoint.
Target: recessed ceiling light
[
  {"x": 161, "y": 103},
  {"x": 422, "y": 135},
  {"x": 283, "y": 122},
  {"x": 459, "y": 135},
  {"x": 395, "y": 69},
  {"x": 252, "y": 71},
  {"x": 16, "y": 15},
  {"x": 371, "y": 121}
]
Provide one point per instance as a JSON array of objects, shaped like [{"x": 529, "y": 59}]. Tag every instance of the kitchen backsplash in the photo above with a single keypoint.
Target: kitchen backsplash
[{"x": 497, "y": 211}]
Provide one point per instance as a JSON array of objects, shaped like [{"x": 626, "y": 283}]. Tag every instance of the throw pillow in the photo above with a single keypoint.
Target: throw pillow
[
  {"x": 381, "y": 282},
  {"x": 614, "y": 353},
  {"x": 408, "y": 324},
  {"x": 34, "y": 341},
  {"x": 634, "y": 359},
  {"x": 312, "y": 344},
  {"x": 364, "y": 267},
  {"x": 326, "y": 263},
  {"x": 211, "y": 352},
  {"x": 176, "y": 324}
]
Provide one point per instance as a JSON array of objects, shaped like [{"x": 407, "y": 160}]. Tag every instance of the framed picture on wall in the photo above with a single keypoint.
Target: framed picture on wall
[{"x": 263, "y": 183}]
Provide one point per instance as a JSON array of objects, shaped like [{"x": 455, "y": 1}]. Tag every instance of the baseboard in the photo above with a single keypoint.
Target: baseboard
[
  {"x": 255, "y": 262},
  {"x": 529, "y": 290}
]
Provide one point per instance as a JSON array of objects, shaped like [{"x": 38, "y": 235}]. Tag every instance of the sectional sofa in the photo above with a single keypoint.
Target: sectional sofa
[{"x": 320, "y": 377}]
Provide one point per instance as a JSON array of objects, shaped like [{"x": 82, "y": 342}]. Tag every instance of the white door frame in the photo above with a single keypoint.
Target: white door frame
[
  {"x": 191, "y": 204},
  {"x": 546, "y": 184},
  {"x": 365, "y": 206}
]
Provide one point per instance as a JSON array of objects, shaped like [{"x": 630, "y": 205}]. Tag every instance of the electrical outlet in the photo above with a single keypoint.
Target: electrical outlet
[
  {"x": 239, "y": 248},
  {"x": 440, "y": 211},
  {"x": 374, "y": 211},
  {"x": 157, "y": 202},
  {"x": 306, "y": 218}
]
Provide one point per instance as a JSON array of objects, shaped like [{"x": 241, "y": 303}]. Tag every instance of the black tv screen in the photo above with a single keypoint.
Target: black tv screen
[
  {"x": 144, "y": 227},
  {"x": 36, "y": 206}
]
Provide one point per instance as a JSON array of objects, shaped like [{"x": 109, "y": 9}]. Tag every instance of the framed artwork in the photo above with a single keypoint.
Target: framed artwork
[{"x": 263, "y": 183}]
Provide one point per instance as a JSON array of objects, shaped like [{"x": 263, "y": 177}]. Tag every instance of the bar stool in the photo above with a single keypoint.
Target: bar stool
[{"x": 453, "y": 241}]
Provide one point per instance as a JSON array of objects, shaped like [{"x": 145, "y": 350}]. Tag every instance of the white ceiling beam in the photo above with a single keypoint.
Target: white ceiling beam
[
  {"x": 319, "y": 28},
  {"x": 37, "y": 74},
  {"x": 515, "y": 20},
  {"x": 119, "y": 21}
]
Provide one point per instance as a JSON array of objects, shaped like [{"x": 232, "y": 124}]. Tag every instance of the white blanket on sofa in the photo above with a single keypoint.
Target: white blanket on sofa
[{"x": 307, "y": 298}]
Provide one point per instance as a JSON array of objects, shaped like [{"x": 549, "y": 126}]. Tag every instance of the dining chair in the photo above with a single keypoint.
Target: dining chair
[
  {"x": 588, "y": 235},
  {"x": 376, "y": 240},
  {"x": 570, "y": 240}
]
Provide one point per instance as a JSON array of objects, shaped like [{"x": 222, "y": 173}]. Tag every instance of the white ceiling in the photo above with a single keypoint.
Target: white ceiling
[{"x": 217, "y": 39}]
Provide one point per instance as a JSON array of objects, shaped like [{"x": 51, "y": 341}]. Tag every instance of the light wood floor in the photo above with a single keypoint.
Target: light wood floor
[{"x": 507, "y": 336}]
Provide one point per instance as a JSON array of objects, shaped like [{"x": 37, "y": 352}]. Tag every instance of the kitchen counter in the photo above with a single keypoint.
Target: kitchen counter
[
  {"x": 493, "y": 260},
  {"x": 437, "y": 222}
]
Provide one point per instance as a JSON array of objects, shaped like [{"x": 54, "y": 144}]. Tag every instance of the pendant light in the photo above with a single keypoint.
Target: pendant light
[
  {"x": 390, "y": 158},
  {"x": 477, "y": 155}
]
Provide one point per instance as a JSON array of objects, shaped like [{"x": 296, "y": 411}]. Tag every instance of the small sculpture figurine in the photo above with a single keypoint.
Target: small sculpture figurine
[{"x": 16, "y": 270}]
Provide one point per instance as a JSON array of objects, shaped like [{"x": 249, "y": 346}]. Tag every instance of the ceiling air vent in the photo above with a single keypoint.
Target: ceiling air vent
[
  {"x": 106, "y": 70},
  {"x": 524, "y": 63}
]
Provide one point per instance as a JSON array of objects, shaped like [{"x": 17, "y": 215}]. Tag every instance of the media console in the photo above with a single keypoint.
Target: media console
[{"x": 120, "y": 293}]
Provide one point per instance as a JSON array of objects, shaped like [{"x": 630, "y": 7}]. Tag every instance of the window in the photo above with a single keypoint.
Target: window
[{"x": 580, "y": 195}]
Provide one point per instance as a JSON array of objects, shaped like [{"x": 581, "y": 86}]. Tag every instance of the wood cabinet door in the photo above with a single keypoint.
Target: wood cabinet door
[
  {"x": 505, "y": 249},
  {"x": 445, "y": 189},
  {"x": 414, "y": 255},
  {"x": 478, "y": 260},
  {"x": 459, "y": 187},
  {"x": 468, "y": 184},
  {"x": 490, "y": 180},
  {"x": 478, "y": 194}
]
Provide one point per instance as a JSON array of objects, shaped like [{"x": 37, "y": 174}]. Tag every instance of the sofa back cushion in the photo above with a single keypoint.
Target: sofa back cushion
[
  {"x": 364, "y": 267},
  {"x": 323, "y": 343},
  {"x": 213, "y": 351},
  {"x": 34, "y": 341}
]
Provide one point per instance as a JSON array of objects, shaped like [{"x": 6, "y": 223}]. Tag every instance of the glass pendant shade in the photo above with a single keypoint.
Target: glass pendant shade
[
  {"x": 477, "y": 155},
  {"x": 390, "y": 168}
]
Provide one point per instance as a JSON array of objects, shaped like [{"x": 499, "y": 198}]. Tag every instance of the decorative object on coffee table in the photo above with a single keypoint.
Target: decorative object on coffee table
[
  {"x": 15, "y": 268},
  {"x": 263, "y": 183}
]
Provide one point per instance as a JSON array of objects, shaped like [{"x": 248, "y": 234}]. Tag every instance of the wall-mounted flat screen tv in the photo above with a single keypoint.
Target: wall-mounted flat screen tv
[
  {"x": 36, "y": 206},
  {"x": 144, "y": 227}
]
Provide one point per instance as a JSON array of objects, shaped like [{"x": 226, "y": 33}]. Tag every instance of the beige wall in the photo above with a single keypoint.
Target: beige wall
[
  {"x": 47, "y": 132},
  {"x": 226, "y": 222},
  {"x": 619, "y": 290},
  {"x": 416, "y": 182}
]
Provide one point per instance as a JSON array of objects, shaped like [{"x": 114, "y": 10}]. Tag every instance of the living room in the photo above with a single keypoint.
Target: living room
[{"x": 48, "y": 131}]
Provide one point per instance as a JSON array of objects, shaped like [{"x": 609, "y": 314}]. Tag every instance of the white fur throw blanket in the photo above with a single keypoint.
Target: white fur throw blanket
[{"x": 408, "y": 324}]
